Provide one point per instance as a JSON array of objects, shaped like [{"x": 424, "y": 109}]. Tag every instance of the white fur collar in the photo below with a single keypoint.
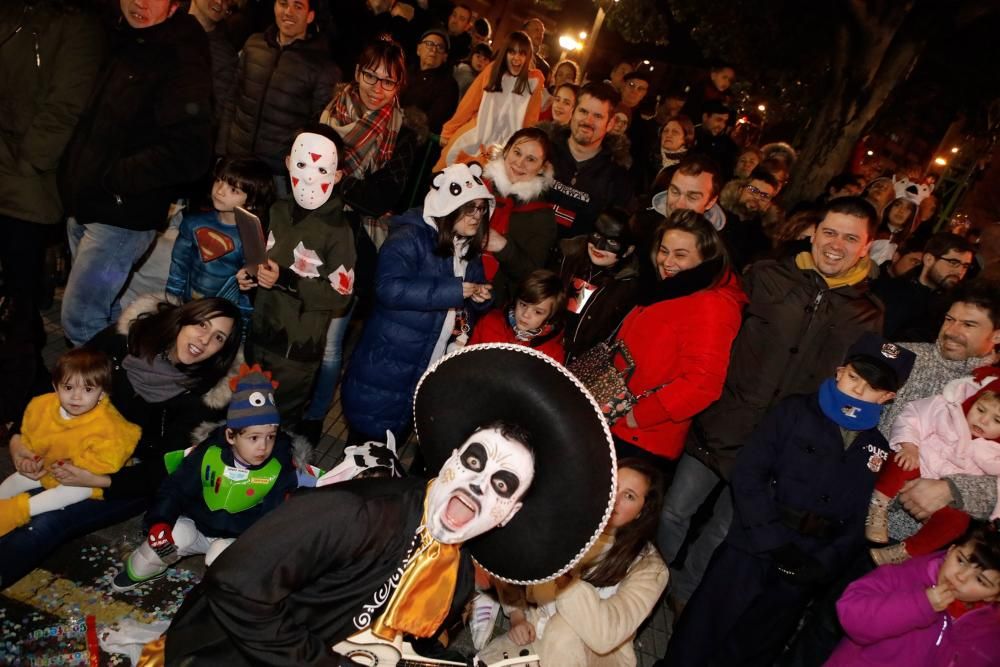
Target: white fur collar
[
  {"x": 525, "y": 191},
  {"x": 218, "y": 396}
]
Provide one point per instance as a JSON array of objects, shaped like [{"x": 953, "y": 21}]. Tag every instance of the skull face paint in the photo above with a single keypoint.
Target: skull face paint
[
  {"x": 312, "y": 166},
  {"x": 479, "y": 488}
]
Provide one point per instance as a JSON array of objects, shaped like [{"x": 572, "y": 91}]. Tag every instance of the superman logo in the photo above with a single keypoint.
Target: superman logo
[{"x": 213, "y": 244}]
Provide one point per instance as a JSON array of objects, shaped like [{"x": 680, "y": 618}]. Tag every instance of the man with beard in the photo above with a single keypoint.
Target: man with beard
[
  {"x": 966, "y": 342},
  {"x": 347, "y": 570},
  {"x": 916, "y": 301},
  {"x": 744, "y": 231},
  {"x": 804, "y": 313},
  {"x": 589, "y": 175}
]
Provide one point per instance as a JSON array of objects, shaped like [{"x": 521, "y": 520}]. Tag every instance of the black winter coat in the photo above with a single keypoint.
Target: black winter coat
[
  {"x": 795, "y": 332},
  {"x": 147, "y": 130},
  {"x": 794, "y": 462},
  {"x": 278, "y": 90},
  {"x": 48, "y": 66},
  {"x": 303, "y": 578}
]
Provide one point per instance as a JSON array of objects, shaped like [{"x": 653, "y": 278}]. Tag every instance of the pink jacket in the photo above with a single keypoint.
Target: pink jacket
[
  {"x": 938, "y": 426},
  {"x": 889, "y": 621}
]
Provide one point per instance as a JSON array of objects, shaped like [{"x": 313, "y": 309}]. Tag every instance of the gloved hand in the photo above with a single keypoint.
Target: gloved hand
[
  {"x": 161, "y": 540},
  {"x": 797, "y": 566}
]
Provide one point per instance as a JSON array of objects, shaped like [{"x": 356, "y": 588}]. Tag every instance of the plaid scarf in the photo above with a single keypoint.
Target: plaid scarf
[{"x": 369, "y": 136}]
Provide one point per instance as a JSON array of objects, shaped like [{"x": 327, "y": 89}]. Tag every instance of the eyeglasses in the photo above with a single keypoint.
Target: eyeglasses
[
  {"x": 758, "y": 193},
  {"x": 956, "y": 263},
  {"x": 473, "y": 209},
  {"x": 372, "y": 79},
  {"x": 431, "y": 45}
]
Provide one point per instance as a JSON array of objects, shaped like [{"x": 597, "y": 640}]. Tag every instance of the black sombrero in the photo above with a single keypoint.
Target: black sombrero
[{"x": 573, "y": 491}]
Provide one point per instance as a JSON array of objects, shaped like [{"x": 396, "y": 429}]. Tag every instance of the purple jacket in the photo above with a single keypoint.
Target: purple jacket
[{"x": 889, "y": 621}]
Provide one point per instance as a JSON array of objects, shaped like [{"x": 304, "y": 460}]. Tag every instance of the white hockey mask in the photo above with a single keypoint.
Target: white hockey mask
[
  {"x": 479, "y": 487},
  {"x": 312, "y": 166}
]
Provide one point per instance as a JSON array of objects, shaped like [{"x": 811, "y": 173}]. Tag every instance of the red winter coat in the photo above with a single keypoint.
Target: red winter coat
[
  {"x": 684, "y": 344},
  {"x": 493, "y": 328}
]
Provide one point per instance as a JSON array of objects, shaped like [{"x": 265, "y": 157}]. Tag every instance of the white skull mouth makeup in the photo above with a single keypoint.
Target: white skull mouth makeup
[
  {"x": 479, "y": 488},
  {"x": 312, "y": 167}
]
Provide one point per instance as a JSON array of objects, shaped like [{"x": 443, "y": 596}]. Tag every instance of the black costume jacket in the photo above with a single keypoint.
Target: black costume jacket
[{"x": 306, "y": 576}]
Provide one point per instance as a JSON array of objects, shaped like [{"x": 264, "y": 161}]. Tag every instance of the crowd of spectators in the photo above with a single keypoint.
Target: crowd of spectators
[{"x": 446, "y": 186}]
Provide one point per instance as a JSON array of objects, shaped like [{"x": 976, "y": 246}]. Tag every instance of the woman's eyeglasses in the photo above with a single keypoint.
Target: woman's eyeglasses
[
  {"x": 372, "y": 79},
  {"x": 473, "y": 209}
]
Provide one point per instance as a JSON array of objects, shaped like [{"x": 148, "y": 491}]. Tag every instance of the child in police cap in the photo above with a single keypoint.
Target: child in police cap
[
  {"x": 218, "y": 491},
  {"x": 800, "y": 494}
]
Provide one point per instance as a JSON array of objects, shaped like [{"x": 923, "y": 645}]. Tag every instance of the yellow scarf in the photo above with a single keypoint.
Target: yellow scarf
[
  {"x": 421, "y": 603},
  {"x": 857, "y": 273}
]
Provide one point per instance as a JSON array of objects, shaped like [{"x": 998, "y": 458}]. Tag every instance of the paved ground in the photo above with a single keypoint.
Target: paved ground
[{"x": 44, "y": 617}]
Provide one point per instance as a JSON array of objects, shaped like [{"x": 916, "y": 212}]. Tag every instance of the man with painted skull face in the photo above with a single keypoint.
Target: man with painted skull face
[
  {"x": 340, "y": 569},
  {"x": 309, "y": 275}
]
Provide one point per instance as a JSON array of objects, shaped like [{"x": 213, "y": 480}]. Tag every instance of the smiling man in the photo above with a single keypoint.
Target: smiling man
[
  {"x": 346, "y": 566},
  {"x": 589, "y": 175},
  {"x": 804, "y": 313},
  {"x": 284, "y": 80}
]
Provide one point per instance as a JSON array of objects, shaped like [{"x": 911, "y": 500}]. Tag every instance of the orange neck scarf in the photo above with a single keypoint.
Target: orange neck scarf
[{"x": 423, "y": 598}]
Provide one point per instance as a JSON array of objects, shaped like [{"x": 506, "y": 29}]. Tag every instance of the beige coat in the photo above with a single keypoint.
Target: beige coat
[{"x": 594, "y": 627}]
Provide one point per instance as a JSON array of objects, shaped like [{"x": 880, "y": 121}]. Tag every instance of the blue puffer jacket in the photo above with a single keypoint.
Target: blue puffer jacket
[{"x": 414, "y": 289}]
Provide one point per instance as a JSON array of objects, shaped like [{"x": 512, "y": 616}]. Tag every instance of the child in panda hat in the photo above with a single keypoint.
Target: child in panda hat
[
  {"x": 240, "y": 471},
  {"x": 430, "y": 288}
]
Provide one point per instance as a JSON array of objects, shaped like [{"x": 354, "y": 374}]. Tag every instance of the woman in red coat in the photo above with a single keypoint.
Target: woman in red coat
[{"x": 679, "y": 336}]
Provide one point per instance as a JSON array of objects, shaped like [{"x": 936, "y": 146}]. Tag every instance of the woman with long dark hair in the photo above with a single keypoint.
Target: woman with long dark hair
[
  {"x": 169, "y": 373},
  {"x": 590, "y": 616},
  {"x": 679, "y": 335},
  {"x": 505, "y": 97},
  {"x": 429, "y": 289}
]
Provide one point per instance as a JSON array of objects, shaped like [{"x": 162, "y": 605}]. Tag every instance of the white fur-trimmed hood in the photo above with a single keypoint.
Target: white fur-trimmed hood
[
  {"x": 218, "y": 396},
  {"x": 525, "y": 191}
]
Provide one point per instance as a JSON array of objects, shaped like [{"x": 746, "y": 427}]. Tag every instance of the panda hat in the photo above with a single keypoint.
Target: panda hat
[{"x": 456, "y": 185}]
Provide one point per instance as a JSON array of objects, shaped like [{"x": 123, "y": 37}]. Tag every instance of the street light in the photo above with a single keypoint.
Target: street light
[{"x": 568, "y": 43}]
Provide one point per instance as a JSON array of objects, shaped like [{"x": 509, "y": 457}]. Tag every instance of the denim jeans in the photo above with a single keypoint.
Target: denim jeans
[
  {"x": 24, "y": 549},
  {"x": 693, "y": 483},
  {"x": 329, "y": 371},
  {"x": 103, "y": 257}
]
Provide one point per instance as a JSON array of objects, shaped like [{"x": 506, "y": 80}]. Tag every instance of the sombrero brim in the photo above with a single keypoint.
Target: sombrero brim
[{"x": 573, "y": 491}]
